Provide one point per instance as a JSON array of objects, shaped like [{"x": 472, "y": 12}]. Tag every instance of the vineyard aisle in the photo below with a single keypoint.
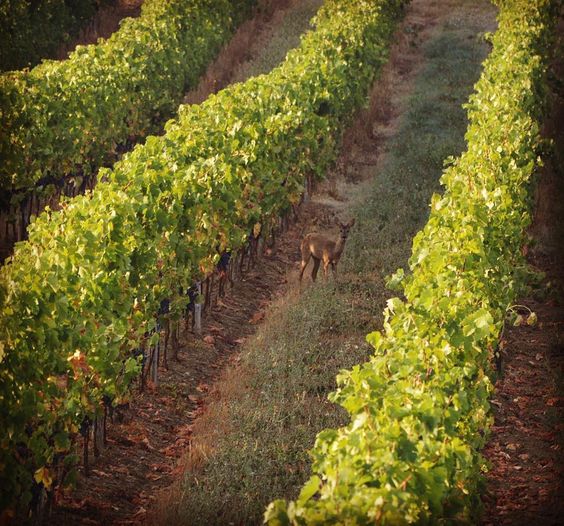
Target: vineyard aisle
[{"x": 249, "y": 445}]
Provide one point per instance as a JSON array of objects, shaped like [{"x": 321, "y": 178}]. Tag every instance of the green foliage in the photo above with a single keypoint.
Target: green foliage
[
  {"x": 68, "y": 117},
  {"x": 32, "y": 30},
  {"x": 76, "y": 298},
  {"x": 419, "y": 409}
]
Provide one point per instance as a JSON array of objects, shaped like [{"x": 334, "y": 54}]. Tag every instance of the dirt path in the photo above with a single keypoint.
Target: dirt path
[
  {"x": 525, "y": 485},
  {"x": 258, "y": 46}
]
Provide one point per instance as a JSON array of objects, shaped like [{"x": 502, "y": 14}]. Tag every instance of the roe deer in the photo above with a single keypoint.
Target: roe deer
[{"x": 320, "y": 249}]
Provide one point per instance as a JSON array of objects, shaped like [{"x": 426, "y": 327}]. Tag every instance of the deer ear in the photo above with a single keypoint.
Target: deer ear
[{"x": 352, "y": 222}]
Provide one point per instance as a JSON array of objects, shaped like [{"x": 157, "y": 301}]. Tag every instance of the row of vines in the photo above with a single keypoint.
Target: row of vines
[
  {"x": 32, "y": 30},
  {"x": 419, "y": 408},
  {"x": 80, "y": 295},
  {"x": 68, "y": 117}
]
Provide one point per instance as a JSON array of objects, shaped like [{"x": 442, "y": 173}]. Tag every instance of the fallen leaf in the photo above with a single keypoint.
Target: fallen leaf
[
  {"x": 140, "y": 511},
  {"x": 147, "y": 443}
]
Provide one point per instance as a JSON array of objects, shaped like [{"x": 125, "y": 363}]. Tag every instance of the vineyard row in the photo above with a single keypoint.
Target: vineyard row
[{"x": 70, "y": 117}]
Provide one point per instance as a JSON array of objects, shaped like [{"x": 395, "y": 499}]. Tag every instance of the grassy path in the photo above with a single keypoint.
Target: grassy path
[
  {"x": 258, "y": 46},
  {"x": 250, "y": 444}
]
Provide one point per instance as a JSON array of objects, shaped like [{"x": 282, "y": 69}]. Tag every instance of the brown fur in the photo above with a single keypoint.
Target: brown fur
[{"x": 320, "y": 248}]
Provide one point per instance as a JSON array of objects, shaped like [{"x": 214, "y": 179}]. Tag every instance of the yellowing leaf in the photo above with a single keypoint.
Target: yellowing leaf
[{"x": 43, "y": 476}]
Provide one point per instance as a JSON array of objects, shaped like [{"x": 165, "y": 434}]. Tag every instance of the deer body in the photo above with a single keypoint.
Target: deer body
[{"x": 322, "y": 249}]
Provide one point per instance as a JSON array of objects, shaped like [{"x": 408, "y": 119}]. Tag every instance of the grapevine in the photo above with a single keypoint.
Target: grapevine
[{"x": 70, "y": 117}]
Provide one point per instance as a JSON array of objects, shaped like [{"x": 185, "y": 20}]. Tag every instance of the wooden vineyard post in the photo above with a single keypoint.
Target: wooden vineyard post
[
  {"x": 198, "y": 311},
  {"x": 208, "y": 295},
  {"x": 98, "y": 436},
  {"x": 40, "y": 505},
  {"x": 175, "y": 337},
  {"x": 144, "y": 364},
  {"x": 307, "y": 189},
  {"x": 85, "y": 432},
  {"x": 155, "y": 363},
  {"x": 232, "y": 269},
  {"x": 104, "y": 427}
]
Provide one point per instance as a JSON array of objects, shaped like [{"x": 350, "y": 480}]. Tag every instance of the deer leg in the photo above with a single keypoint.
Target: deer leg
[
  {"x": 326, "y": 268},
  {"x": 305, "y": 261},
  {"x": 316, "y": 263}
]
